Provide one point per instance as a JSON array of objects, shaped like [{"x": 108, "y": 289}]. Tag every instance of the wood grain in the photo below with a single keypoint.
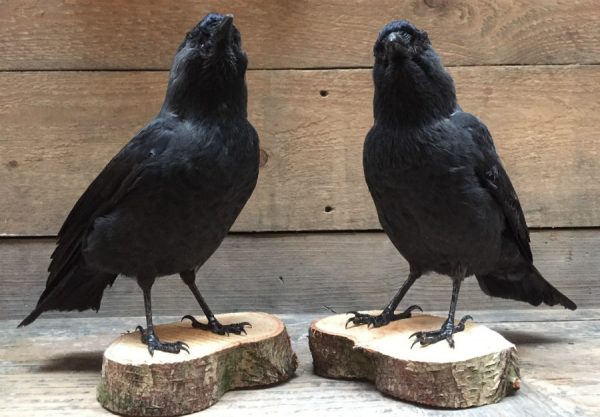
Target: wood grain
[
  {"x": 481, "y": 369},
  {"x": 58, "y": 129},
  {"x": 134, "y": 383},
  {"x": 113, "y": 34},
  {"x": 304, "y": 273},
  {"x": 52, "y": 369}
]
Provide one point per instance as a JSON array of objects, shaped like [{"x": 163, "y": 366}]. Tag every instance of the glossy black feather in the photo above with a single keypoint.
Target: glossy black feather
[
  {"x": 441, "y": 192},
  {"x": 166, "y": 201}
]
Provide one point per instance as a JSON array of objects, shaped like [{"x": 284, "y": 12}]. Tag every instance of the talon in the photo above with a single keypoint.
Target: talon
[
  {"x": 190, "y": 318},
  {"x": 413, "y": 308},
  {"x": 414, "y": 343}
]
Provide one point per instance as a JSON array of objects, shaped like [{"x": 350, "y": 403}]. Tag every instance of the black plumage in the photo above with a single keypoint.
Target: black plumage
[
  {"x": 165, "y": 202},
  {"x": 441, "y": 192}
]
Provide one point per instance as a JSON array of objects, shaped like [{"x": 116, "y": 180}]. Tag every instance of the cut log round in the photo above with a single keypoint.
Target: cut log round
[
  {"x": 135, "y": 383},
  {"x": 481, "y": 369}
]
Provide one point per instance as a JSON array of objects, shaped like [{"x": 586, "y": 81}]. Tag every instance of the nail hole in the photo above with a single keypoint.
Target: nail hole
[
  {"x": 328, "y": 209},
  {"x": 324, "y": 93}
]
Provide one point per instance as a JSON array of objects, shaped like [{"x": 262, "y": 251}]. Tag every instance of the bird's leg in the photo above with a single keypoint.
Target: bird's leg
[
  {"x": 448, "y": 328},
  {"x": 189, "y": 277},
  {"x": 148, "y": 335},
  {"x": 387, "y": 315}
]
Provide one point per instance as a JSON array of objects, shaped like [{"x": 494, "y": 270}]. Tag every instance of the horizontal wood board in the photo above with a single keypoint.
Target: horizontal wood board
[
  {"x": 113, "y": 34},
  {"x": 58, "y": 129},
  {"x": 53, "y": 369},
  {"x": 305, "y": 272}
]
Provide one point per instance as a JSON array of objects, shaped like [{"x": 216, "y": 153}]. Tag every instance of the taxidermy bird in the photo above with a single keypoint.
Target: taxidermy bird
[
  {"x": 441, "y": 193},
  {"x": 165, "y": 202}
]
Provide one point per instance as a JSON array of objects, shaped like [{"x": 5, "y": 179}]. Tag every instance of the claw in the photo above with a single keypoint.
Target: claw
[
  {"x": 413, "y": 308},
  {"x": 414, "y": 343},
  {"x": 416, "y": 334},
  {"x": 446, "y": 332},
  {"x": 463, "y": 321},
  {"x": 190, "y": 318}
]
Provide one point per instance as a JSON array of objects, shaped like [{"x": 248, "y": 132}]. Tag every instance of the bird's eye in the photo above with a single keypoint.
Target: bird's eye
[{"x": 406, "y": 37}]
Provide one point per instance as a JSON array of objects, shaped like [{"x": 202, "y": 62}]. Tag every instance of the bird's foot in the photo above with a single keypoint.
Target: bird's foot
[
  {"x": 445, "y": 333},
  {"x": 150, "y": 339},
  {"x": 380, "y": 320},
  {"x": 218, "y": 328}
]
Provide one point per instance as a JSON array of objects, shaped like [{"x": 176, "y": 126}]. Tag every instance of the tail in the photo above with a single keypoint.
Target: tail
[
  {"x": 525, "y": 284},
  {"x": 79, "y": 288}
]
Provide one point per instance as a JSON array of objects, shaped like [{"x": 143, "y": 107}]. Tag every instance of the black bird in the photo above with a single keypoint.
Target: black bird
[
  {"x": 441, "y": 192},
  {"x": 165, "y": 202}
]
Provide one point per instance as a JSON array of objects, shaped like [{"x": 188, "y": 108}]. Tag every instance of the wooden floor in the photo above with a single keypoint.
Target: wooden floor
[{"x": 52, "y": 368}]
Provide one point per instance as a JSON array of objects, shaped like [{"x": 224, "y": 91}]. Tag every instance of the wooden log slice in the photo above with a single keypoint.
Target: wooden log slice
[
  {"x": 481, "y": 369},
  {"x": 135, "y": 383}
]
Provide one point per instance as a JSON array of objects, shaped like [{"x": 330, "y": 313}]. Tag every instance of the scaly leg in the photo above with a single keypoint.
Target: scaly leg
[
  {"x": 148, "y": 336},
  {"x": 448, "y": 328},
  {"x": 387, "y": 315},
  {"x": 189, "y": 277}
]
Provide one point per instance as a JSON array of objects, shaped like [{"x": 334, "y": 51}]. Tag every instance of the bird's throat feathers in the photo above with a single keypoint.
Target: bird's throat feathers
[
  {"x": 190, "y": 97},
  {"x": 412, "y": 92}
]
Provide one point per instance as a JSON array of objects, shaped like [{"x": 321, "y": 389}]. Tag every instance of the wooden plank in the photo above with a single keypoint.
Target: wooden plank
[
  {"x": 112, "y": 34},
  {"x": 58, "y": 129},
  {"x": 53, "y": 369},
  {"x": 305, "y": 272}
]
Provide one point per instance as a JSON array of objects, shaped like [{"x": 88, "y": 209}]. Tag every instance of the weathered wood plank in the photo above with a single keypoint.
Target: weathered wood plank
[
  {"x": 79, "y": 34},
  {"x": 52, "y": 369},
  {"x": 59, "y": 129},
  {"x": 304, "y": 273}
]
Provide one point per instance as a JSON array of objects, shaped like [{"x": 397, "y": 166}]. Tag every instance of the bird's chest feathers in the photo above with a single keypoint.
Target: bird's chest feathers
[
  {"x": 222, "y": 166},
  {"x": 397, "y": 159}
]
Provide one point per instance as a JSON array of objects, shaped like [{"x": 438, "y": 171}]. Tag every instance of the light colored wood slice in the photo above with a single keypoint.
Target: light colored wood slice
[
  {"x": 52, "y": 370},
  {"x": 482, "y": 369},
  {"x": 138, "y": 384},
  {"x": 305, "y": 272},
  {"x": 79, "y": 34},
  {"x": 57, "y": 131}
]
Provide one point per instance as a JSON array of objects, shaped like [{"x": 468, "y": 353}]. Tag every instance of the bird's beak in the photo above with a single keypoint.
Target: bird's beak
[
  {"x": 397, "y": 44},
  {"x": 223, "y": 31}
]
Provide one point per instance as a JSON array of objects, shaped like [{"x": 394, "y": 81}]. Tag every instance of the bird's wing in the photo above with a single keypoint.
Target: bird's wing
[
  {"x": 115, "y": 180},
  {"x": 494, "y": 178}
]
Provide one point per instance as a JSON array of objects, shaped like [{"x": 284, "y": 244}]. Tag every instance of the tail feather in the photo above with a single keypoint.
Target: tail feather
[
  {"x": 524, "y": 285},
  {"x": 80, "y": 288}
]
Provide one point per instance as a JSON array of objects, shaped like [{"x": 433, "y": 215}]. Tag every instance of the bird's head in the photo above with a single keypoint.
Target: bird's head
[
  {"x": 408, "y": 70},
  {"x": 400, "y": 40},
  {"x": 210, "y": 60}
]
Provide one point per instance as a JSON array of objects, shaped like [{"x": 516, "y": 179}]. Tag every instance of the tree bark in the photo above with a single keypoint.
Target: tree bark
[
  {"x": 481, "y": 369},
  {"x": 137, "y": 384}
]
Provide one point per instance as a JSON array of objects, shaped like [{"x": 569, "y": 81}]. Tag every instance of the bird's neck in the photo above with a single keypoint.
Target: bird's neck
[
  {"x": 397, "y": 106},
  {"x": 195, "y": 101},
  {"x": 409, "y": 98}
]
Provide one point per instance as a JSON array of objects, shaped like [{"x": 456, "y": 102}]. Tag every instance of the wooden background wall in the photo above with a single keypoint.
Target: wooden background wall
[{"x": 79, "y": 78}]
